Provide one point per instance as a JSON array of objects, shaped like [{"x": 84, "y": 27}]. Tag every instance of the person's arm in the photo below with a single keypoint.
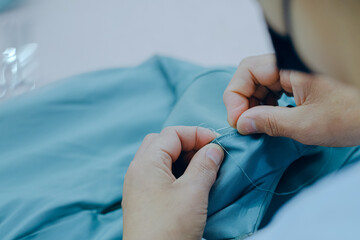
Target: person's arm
[
  {"x": 327, "y": 111},
  {"x": 158, "y": 206}
]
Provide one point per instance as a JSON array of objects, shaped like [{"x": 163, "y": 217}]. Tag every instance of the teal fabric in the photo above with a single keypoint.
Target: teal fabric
[
  {"x": 299, "y": 173},
  {"x": 64, "y": 151},
  {"x": 6, "y": 4},
  {"x": 328, "y": 210}
]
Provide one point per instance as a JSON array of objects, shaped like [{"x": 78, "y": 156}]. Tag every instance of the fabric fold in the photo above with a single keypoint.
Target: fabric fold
[{"x": 65, "y": 149}]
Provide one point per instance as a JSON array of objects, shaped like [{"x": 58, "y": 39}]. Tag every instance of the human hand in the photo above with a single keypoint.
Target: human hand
[
  {"x": 327, "y": 112},
  {"x": 158, "y": 206}
]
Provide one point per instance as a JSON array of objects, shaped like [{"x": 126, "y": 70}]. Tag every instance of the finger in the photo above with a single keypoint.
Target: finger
[
  {"x": 301, "y": 85},
  {"x": 285, "y": 81},
  {"x": 274, "y": 121},
  {"x": 150, "y": 138},
  {"x": 173, "y": 140},
  {"x": 203, "y": 167},
  {"x": 179, "y": 167},
  {"x": 253, "y": 102},
  {"x": 235, "y": 104},
  {"x": 271, "y": 99},
  {"x": 253, "y": 71},
  {"x": 260, "y": 92}
]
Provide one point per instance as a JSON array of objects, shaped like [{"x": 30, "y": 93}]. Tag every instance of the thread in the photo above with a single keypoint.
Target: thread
[
  {"x": 269, "y": 190},
  {"x": 223, "y": 128}
]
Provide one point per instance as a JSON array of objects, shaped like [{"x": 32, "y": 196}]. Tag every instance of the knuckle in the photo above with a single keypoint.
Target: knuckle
[
  {"x": 167, "y": 130},
  {"x": 271, "y": 126},
  {"x": 248, "y": 61},
  {"x": 150, "y": 137},
  {"x": 163, "y": 156},
  {"x": 252, "y": 61},
  {"x": 229, "y": 93}
]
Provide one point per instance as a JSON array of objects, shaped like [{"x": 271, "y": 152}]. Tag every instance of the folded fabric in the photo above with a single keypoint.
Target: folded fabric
[{"x": 65, "y": 148}]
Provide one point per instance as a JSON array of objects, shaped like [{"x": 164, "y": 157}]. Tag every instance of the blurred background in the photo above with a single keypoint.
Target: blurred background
[{"x": 46, "y": 40}]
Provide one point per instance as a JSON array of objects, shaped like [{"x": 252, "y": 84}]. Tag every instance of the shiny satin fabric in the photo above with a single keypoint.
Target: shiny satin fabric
[{"x": 65, "y": 148}]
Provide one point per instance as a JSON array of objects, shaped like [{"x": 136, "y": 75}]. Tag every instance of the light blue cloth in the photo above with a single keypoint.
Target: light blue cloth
[
  {"x": 64, "y": 151},
  {"x": 6, "y": 4},
  {"x": 329, "y": 210}
]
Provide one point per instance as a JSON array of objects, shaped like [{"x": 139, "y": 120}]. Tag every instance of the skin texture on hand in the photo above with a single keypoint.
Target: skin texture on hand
[
  {"x": 327, "y": 111},
  {"x": 156, "y": 204}
]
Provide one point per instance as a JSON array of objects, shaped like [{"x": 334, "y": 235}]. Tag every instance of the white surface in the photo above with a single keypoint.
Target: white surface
[{"x": 77, "y": 36}]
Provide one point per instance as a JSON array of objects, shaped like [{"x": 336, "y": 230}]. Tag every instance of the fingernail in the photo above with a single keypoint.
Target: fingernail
[
  {"x": 248, "y": 125},
  {"x": 215, "y": 153}
]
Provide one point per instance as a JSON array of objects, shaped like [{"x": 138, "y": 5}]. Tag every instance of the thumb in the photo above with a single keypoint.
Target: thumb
[
  {"x": 203, "y": 167},
  {"x": 272, "y": 120}
]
